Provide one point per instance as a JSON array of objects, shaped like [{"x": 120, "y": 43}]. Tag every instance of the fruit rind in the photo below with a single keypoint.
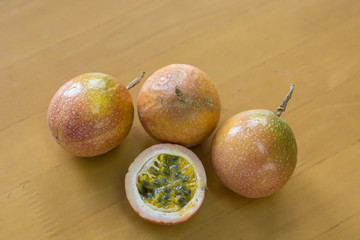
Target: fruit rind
[{"x": 160, "y": 217}]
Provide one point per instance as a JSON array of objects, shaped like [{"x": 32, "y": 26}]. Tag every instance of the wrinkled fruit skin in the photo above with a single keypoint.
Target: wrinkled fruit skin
[
  {"x": 185, "y": 120},
  {"x": 254, "y": 153},
  {"x": 90, "y": 114}
]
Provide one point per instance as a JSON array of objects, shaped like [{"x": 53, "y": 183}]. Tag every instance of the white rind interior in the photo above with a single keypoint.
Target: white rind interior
[{"x": 147, "y": 212}]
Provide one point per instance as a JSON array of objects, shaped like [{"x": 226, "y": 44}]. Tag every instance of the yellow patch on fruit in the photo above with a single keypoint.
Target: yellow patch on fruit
[{"x": 99, "y": 87}]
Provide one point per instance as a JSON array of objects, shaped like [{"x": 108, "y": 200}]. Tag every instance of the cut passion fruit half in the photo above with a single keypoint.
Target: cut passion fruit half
[{"x": 166, "y": 184}]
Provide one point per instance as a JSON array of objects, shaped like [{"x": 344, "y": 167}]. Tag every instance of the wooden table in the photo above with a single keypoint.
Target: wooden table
[{"x": 251, "y": 49}]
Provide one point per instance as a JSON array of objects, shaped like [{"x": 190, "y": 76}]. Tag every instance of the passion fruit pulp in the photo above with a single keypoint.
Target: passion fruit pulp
[{"x": 166, "y": 184}]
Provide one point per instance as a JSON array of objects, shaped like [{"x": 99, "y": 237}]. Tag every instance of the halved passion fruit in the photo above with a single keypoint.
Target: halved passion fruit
[{"x": 166, "y": 184}]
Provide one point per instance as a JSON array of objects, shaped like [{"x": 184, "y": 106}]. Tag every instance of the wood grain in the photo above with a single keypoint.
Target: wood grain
[{"x": 251, "y": 49}]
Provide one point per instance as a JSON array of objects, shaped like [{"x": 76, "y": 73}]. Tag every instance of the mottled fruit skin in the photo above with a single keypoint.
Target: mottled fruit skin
[
  {"x": 90, "y": 114},
  {"x": 179, "y": 104},
  {"x": 254, "y": 153}
]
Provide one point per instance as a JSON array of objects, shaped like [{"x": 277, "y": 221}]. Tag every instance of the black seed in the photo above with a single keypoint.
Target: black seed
[
  {"x": 157, "y": 191},
  {"x": 175, "y": 158},
  {"x": 157, "y": 183},
  {"x": 149, "y": 195},
  {"x": 187, "y": 192},
  {"x": 166, "y": 172},
  {"x": 180, "y": 188},
  {"x": 145, "y": 182},
  {"x": 167, "y": 190},
  {"x": 185, "y": 178},
  {"x": 166, "y": 197},
  {"x": 175, "y": 167},
  {"x": 177, "y": 174},
  {"x": 181, "y": 200},
  {"x": 164, "y": 181}
]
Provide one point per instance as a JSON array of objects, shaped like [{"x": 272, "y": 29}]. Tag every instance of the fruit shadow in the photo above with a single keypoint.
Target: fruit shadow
[
  {"x": 108, "y": 170},
  {"x": 295, "y": 208},
  {"x": 256, "y": 218},
  {"x": 149, "y": 228},
  {"x": 226, "y": 205},
  {"x": 214, "y": 185},
  {"x": 280, "y": 215},
  {"x": 277, "y": 216},
  {"x": 216, "y": 193},
  {"x": 96, "y": 170},
  {"x": 156, "y": 231}
]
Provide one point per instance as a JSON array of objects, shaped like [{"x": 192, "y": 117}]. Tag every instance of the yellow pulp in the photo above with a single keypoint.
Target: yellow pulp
[{"x": 167, "y": 183}]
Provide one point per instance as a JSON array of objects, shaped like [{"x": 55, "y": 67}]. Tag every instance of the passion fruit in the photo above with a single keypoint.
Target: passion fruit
[
  {"x": 254, "y": 153},
  {"x": 91, "y": 114},
  {"x": 179, "y": 104},
  {"x": 166, "y": 184}
]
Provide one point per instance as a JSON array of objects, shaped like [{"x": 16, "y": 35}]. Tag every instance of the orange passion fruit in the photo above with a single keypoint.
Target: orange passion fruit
[{"x": 179, "y": 104}]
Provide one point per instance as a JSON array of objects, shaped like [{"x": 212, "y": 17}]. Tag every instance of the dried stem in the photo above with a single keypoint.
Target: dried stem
[
  {"x": 283, "y": 104},
  {"x": 198, "y": 103},
  {"x": 179, "y": 94},
  {"x": 135, "y": 81}
]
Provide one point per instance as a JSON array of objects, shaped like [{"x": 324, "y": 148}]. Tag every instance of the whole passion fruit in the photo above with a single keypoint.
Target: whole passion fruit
[
  {"x": 179, "y": 104},
  {"x": 166, "y": 184},
  {"x": 90, "y": 114},
  {"x": 254, "y": 153}
]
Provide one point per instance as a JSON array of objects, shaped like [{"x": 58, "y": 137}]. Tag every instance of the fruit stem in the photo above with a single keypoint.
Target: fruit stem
[
  {"x": 179, "y": 94},
  {"x": 135, "y": 81},
  {"x": 284, "y": 102}
]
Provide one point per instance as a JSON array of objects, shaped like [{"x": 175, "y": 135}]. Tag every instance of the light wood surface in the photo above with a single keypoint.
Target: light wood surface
[{"x": 251, "y": 49}]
